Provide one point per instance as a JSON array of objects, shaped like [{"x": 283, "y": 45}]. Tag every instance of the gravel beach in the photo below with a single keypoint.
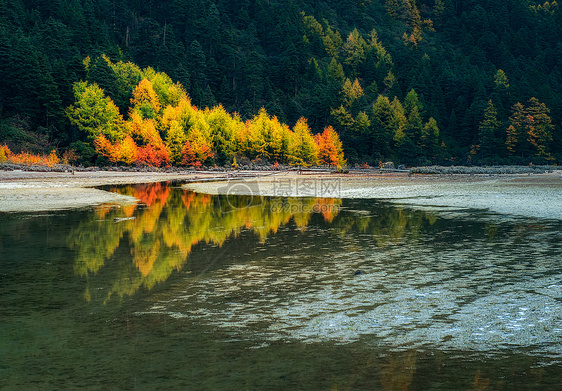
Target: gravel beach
[
  {"x": 536, "y": 195},
  {"x": 32, "y": 191}
]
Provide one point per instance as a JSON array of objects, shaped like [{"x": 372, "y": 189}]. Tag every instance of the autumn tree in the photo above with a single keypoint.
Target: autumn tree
[
  {"x": 303, "y": 149},
  {"x": 128, "y": 76},
  {"x": 175, "y": 140},
  {"x": 280, "y": 140},
  {"x": 104, "y": 148},
  {"x": 145, "y": 102},
  {"x": 332, "y": 42},
  {"x": 406, "y": 11},
  {"x": 516, "y": 140},
  {"x": 351, "y": 92},
  {"x": 259, "y": 135},
  {"x": 152, "y": 150},
  {"x": 501, "y": 82},
  {"x": 223, "y": 128},
  {"x": 529, "y": 132},
  {"x": 94, "y": 113},
  {"x": 511, "y": 140},
  {"x": 198, "y": 149},
  {"x": 128, "y": 150},
  {"x": 168, "y": 92},
  {"x": 539, "y": 128},
  {"x": 165, "y": 128},
  {"x": 399, "y": 121},
  {"x": 330, "y": 149}
]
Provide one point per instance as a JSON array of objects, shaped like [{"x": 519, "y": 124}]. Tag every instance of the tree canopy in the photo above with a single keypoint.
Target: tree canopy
[{"x": 417, "y": 82}]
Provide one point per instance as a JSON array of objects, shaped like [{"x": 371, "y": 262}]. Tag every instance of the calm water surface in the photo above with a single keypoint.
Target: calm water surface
[{"x": 199, "y": 292}]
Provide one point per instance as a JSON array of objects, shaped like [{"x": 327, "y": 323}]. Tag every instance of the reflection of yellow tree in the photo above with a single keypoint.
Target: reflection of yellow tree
[
  {"x": 480, "y": 382},
  {"x": 95, "y": 244},
  {"x": 162, "y": 234},
  {"x": 143, "y": 245},
  {"x": 398, "y": 372}
]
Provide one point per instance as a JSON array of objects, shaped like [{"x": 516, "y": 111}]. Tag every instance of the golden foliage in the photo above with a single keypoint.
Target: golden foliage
[
  {"x": 26, "y": 158},
  {"x": 164, "y": 128}
]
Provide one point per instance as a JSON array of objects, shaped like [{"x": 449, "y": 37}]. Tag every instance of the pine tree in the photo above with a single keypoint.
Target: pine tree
[
  {"x": 511, "y": 140},
  {"x": 501, "y": 81},
  {"x": 351, "y": 92},
  {"x": 399, "y": 121},
  {"x": 100, "y": 73},
  {"x": 489, "y": 143},
  {"x": 415, "y": 125},
  {"x": 411, "y": 102},
  {"x": 197, "y": 70},
  {"x": 430, "y": 139},
  {"x": 354, "y": 51},
  {"x": 383, "y": 126}
]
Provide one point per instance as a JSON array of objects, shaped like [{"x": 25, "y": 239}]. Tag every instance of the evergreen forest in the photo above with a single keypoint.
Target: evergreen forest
[{"x": 203, "y": 82}]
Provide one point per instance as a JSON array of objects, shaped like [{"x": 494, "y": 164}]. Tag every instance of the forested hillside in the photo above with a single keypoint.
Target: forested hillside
[{"x": 416, "y": 82}]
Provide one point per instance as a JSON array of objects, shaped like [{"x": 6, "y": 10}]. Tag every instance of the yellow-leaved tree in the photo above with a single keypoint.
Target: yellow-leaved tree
[
  {"x": 303, "y": 149},
  {"x": 145, "y": 102},
  {"x": 95, "y": 114}
]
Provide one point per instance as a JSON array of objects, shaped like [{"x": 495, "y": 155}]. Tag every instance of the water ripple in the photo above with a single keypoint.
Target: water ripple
[{"x": 476, "y": 295}]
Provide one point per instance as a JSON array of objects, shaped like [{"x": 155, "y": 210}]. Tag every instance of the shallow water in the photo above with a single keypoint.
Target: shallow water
[{"x": 192, "y": 291}]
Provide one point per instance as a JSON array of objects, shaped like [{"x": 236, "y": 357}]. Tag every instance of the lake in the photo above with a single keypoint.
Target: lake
[{"x": 192, "y": 291}]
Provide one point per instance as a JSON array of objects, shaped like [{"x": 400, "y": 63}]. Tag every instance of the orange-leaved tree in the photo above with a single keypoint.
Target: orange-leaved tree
[
  {"x": 152, "y": 150},
  {"x": 5, "y": 153},
  {"x": 330, "y": 150}
]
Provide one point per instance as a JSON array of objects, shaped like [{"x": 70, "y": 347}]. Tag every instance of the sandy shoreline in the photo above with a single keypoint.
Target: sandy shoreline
[
  {"x": 537, "y": 195},
  {"x": 523, "y": 195},
  {"x": 30, "y": 191}
]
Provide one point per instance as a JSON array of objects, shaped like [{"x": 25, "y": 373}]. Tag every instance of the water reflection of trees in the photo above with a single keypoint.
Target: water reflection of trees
[
  {"x": 132, "y": 247},
  {"x": 141, "y": 245},
  {"x": 385, "y": 223}
]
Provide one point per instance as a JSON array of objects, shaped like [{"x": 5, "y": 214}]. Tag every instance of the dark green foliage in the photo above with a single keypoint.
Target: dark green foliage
[
  {"x": 489, "y": 132},
  {"x": 99, "y": 72},
  {"x": 294, "y": 58}
]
